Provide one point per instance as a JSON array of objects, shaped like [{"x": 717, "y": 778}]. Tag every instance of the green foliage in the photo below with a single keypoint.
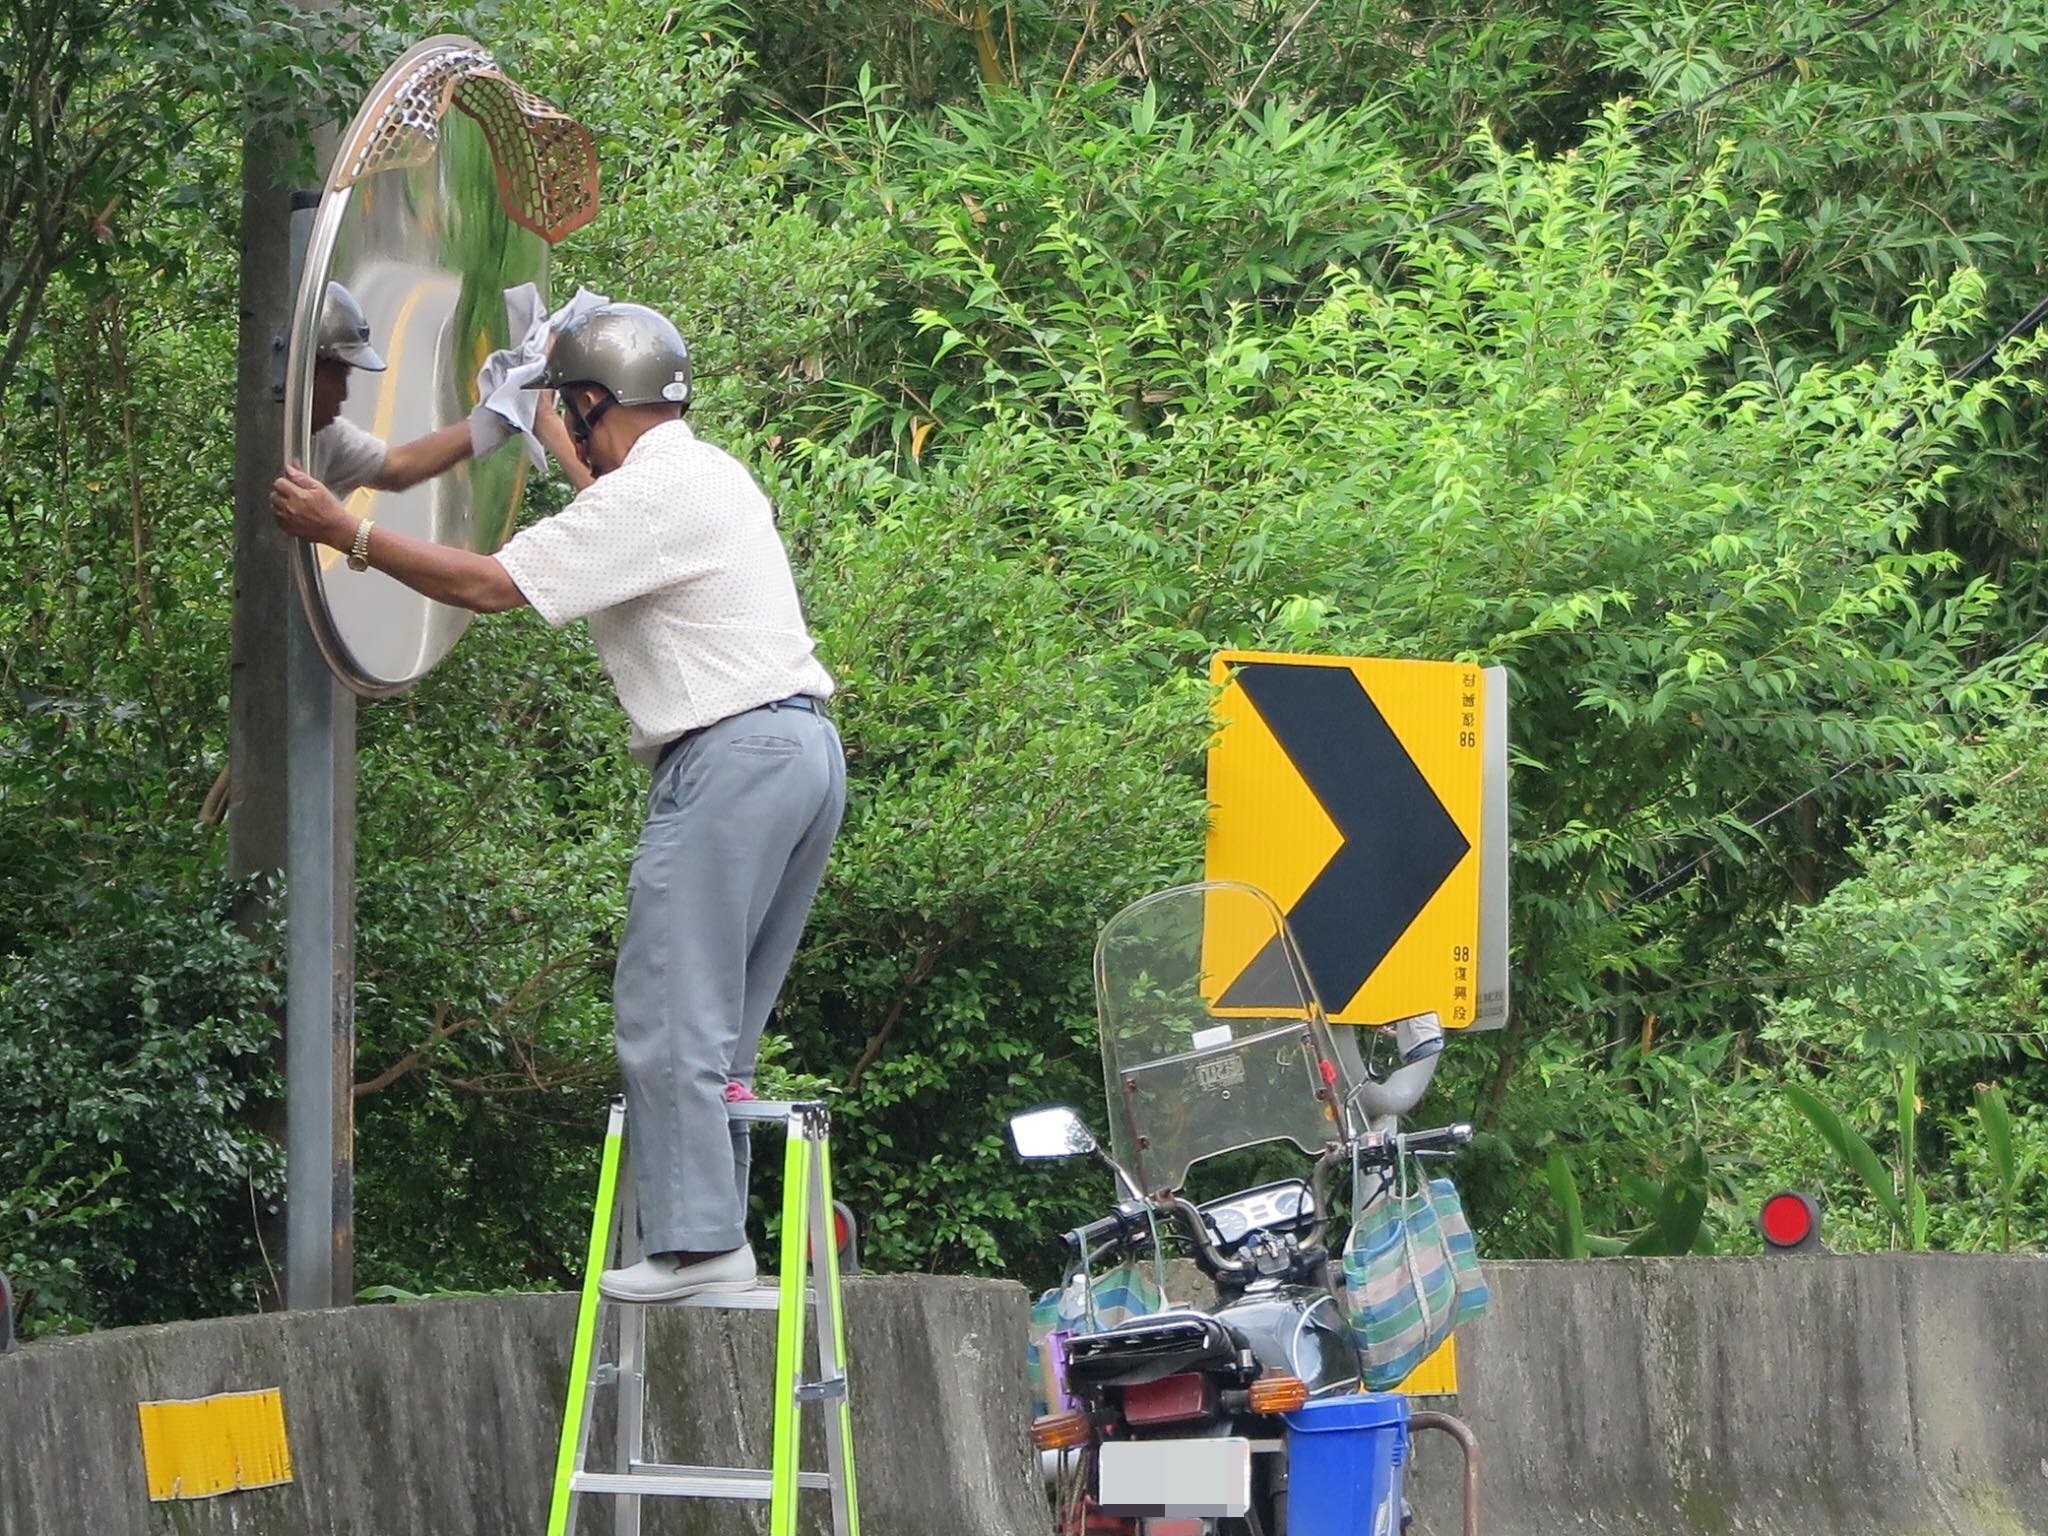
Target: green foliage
[
  {"x": 1679, "y": 1206},
  {"x": 1898, "y": 151},
  {"x": 1996, "y": 1121},
  {"x": 135, "y": 1030},
  {"x": 1036, "y": 235},
  {"x": 1557, "y": 476},
  {"x": 102, "y": 100},
  {"x": 703, "y": 214},
  {"x": 1530, "y": 73},
  {"x": 1564, "y": 1189},
  {"x": 1668, "y": 1216},
  {"x": 1853, "y": 1150},
  {"x": 134, "y": 1039},
  {"x": 1015, "y": 779},
  {"x": 1914, "y": 977}
]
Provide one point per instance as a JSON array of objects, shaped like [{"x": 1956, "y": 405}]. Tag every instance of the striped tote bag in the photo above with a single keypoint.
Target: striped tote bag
[
  {"x": 1399, "y": 1284},
  {"x": 1473, "y": 1292}
]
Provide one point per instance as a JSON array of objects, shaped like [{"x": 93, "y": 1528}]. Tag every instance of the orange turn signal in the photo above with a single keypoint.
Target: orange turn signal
[
  {"x": 1277, "y": 1393},
  {"x": 1063, "y": 1431}
]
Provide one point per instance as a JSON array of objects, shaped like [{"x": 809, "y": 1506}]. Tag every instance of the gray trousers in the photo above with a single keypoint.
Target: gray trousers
[{"x": 739, "y": 821}]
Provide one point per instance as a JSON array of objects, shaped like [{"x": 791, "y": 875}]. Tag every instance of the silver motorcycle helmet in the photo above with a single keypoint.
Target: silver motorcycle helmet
[
  {"x": 633, "y": 353},
  {"x": 344, "y": 333}
]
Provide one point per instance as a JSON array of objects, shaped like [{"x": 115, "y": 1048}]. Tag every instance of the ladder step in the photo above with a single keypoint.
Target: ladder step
[
  {"x": 652, "y": 1478},
  {"x": 761, "y": 1110},
  {"x": 764, "y": 1297}
]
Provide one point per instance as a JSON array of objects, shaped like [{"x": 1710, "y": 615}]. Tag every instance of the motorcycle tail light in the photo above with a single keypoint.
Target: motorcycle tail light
[
  {"x": 1276, "y": 1392},
  {"x": 1175, "y": 1400},
  {"x": 1060, "y": 1431},
  {"x": 1099, "y": 1524}
]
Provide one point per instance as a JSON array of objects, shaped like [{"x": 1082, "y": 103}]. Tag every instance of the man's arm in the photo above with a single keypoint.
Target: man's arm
[
  {"x": 407, "y": 464},
  {"x": 306, "y": 509}
]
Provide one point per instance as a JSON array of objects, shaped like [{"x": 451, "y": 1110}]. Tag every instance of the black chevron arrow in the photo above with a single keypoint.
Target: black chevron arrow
[{"x": 1399, "y": 847}]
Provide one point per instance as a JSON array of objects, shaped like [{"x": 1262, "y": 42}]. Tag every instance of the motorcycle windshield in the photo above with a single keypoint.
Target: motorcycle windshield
[{"x": 1212, "y": 1037}]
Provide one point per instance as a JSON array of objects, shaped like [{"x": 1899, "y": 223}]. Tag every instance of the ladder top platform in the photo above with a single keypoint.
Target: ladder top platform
[{"x": 772, "y": 1111}]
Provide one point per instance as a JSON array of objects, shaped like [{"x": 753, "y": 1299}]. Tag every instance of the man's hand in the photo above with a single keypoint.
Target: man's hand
[
  {"x": 554, "y": 436},
  {"x": 307, "y": 510}
]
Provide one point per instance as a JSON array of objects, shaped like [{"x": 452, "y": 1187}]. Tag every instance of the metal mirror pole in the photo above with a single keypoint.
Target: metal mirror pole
[
  {"x": 319, "y": 975},
  {"x": 320, "y": 765},
  {"x": 291, "y": 766}
]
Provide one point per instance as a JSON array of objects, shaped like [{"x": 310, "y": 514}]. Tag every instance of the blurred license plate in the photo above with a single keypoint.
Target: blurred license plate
[{"x": 1171, "y": 1478}]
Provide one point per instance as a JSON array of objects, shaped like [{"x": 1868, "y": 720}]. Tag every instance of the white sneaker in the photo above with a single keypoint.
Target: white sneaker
[{"x": 661, "y": 1278}]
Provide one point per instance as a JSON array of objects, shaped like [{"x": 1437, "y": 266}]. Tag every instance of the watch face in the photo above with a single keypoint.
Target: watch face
[{"x": 428, "y": 252}]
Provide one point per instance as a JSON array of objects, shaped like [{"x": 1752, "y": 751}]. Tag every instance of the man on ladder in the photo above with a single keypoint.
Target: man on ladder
[{"x": 670, "y": 551}]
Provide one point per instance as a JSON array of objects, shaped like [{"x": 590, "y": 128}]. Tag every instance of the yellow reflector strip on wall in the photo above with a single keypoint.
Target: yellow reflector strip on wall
[{"x": 211, "y": 1445}]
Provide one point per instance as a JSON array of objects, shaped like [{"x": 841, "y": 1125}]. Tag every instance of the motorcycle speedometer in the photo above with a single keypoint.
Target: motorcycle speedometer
[{"x": 1231, "y": 1224}]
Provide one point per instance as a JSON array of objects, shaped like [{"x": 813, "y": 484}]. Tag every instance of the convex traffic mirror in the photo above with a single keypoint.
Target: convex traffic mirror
[{"x": 447, "y": 191}]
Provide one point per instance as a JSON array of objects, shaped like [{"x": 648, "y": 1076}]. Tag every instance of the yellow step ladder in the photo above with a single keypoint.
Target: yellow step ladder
[{"x": 807, "y": 1240}]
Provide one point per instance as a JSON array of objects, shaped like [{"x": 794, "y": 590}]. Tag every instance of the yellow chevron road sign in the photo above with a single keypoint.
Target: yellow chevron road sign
[{"x": 1350, "y": 790}]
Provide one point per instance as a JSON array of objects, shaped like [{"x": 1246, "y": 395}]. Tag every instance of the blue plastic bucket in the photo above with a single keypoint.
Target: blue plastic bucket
[{"x": 1344, "y": 1460}]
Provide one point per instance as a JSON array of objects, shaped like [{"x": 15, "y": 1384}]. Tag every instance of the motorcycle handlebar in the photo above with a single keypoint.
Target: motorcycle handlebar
[
  {"x": 1118, "y": 1225},
  {"x": 1443, "y": 1139},
  {"x": 1384, "y": 1150},
  {"x": 1129, "y": 1222},
  {"x": 1198, "y": 1233}
]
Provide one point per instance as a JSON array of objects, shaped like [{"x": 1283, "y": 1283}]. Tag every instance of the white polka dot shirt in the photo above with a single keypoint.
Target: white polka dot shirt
[{"x": 674, "y": 559}]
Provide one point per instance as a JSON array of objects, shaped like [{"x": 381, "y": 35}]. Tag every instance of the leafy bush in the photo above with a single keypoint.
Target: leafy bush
[
  {"x": 135, "y": 1041},
  {"x": 1925, "y": 973}
]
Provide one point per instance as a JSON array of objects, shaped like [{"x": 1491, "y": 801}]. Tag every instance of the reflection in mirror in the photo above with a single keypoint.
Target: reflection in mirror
[{"x": 1057, "y": 1132}]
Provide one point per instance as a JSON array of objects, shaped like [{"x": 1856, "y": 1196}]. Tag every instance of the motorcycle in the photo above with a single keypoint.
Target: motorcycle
[{"x": 1174, "y": 1423}]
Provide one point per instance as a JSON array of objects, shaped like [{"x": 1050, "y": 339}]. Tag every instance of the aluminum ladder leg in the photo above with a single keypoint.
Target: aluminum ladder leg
[{"x": 807, "y": 1240}]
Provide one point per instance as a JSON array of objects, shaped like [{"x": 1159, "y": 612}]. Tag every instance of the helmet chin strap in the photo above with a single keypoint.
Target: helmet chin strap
[{"x": 580, "y": 425}]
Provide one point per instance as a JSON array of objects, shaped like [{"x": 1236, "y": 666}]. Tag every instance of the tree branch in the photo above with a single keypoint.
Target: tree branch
[
  {"x": 444, "y": 1028},
  {"x": 441, "y": 1030},
  {"x": 879, "y": 1040}
]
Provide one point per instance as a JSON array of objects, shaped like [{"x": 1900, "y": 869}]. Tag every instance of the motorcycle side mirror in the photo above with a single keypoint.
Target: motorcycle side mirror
[{"x": 1056, "y": 1132}]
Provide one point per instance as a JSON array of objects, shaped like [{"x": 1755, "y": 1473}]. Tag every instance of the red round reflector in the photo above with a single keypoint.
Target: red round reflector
[{"x": 1787, "y": 1221}]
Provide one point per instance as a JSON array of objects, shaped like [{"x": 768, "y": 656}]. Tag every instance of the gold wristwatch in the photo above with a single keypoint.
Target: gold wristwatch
[{"x": 359, "y": 553}]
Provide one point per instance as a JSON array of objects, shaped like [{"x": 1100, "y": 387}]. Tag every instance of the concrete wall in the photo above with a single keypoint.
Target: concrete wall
[
  {"x": 1900, "y": 1395},
  {"x": 1880, "y": 1396},
  {"x": 439, "y": 1419}
]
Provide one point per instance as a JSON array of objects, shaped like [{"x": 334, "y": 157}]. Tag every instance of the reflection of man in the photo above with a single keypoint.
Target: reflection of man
[
  {"x": 670, "y": 550},
  {"x": 343, "y": 455}
]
